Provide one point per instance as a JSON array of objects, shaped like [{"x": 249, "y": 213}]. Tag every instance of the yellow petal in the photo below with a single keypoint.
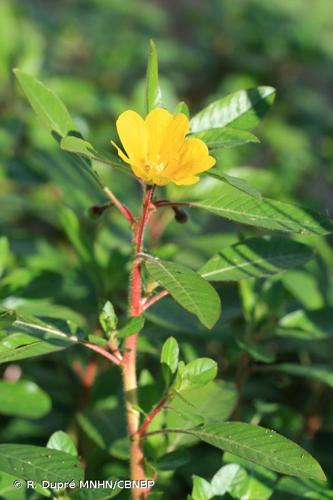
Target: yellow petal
[
  {"x": 174, "y": 137},
  {"x": 187, "y": 181},
  {"x": 133, "y": 134},
  {"x": 193, "y": 159},
  {"x": 157, "y": 122}
]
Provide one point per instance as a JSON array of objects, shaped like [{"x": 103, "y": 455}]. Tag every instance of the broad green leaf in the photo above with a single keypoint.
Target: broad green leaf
[
  {"x": 241, "y": 110},
  {"x": 189, "y": 289},
  {"x": 201, "y": 489},
  {"x": 8, "y": 490},
  {"x": 47, "y": 105},
  {"x": 38, "y": 464},
  {"x": 199, "y": 371},
  {"x": 224, "y": 138},
  {"x": 262, "y": 446},
  {"x": 214, "y": 402},
  {"x": 237, "y": 183},
  {"x": 108, "y": 318},
  {"x": 310, "y": 325},
  {"x": 271, "y": 214},
  {"x": 133, "y": 326},
  {"x": 33, "y": 338},
  {"x": 182, "y": 107},
  {"x": 169, "y": 357},
  {"x": 318, "y": 372},
  {"x": 231, "y": 478},
  {"x": 62, "y": 442},
  {"x": 255, "y": 258},
  {"x": 153, "y": 91},
  {"x": 305, "y": 287},
  {"x": 14, "y": 397}
]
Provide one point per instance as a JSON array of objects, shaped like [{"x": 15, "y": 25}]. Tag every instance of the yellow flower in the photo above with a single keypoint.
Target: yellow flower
[{"x": 157, "y": 150}]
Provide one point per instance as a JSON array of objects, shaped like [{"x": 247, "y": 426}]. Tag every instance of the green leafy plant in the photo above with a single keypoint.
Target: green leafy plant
[{"x": 190, "y": 402}]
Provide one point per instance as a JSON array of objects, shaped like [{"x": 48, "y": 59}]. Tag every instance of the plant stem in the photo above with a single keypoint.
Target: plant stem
[
  {"x": 155, "y": 411},
  {"x": 129, "y": 361}
]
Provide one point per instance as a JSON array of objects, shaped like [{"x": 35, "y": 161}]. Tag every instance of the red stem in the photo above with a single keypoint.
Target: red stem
[
  {"x": 121, "y": 207},
  {"x": 129, "y": 360},
  {"x": 154, "y": 299},
  {"x": 103, "y": 352},
  {"x": 150, "y": 417}
]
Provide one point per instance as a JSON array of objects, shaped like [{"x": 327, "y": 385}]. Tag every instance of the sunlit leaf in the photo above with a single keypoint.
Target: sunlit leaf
[
  {"x": 241, "y": 110},
  {"x": 254, "y": 258},
  {"x": 189, "y": 289},
  {"x": 153, "y": 91},
  {"x": 14, "y": 397}
]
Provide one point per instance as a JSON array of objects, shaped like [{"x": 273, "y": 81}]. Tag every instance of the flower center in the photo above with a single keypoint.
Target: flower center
[{"x": 155, "y": 167}]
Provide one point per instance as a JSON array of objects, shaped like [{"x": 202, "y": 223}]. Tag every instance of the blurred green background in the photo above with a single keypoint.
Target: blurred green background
[{"x": 93, "y": 54}]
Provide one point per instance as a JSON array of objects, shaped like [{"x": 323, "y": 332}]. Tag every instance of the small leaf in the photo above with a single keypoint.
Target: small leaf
[
  {"x": 108, "y": 318},
  {"x": 170, "y": 354},
  {"x": 38, "y": 464},
  {"x": 199, "y": 371},
  {"x": 153, "y": 91},
  {"x": 231, "y": 478},
  {"x": 267, "y": 213},
  {"x": 169, "y": 358},
  {"x": 310, "y": 325},
  {"x": 182, "y": 107},
  {"x": 261, "y": 446},
  {"x": 95, "y": 339},
  {"x": 239, "y": 184},
  {"x": 201, "y": 489},
  {"x": 189, "y": 289},
  {"x": 47, "y": 105},
  {"x": 255, "y": 258},
  {"x": 241, "y": 110},
  {"x": 62, "y": 442},
  {"x": 174, "y": 460},
  {"x": 134, "y": 325},
  {"x": 14, "y": 397},
  {"x": 225, "y": 138}
]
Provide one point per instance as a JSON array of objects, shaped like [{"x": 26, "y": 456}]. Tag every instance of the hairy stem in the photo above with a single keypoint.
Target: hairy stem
[{"x": 129, "y": 361}]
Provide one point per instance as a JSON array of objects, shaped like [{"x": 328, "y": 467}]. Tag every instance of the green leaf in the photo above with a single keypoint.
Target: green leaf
[
  {"x": 309, "y": 325},
  {"x": 261, "y": 446},
  {"x": 38, "y": 464},
  {"x": 267, "y": 213},
  {"x": 199, "y": 371},
  {"x": 214, "y": 402},
  {"x": 47, "y": 105},
  {"x": 153, "y": 91},
  {"x": 225, "y": 138},
  {"x": 133, "y": 326},
  {"x": 169, "y": 357},
  {"x": 33, "y": 339},
  {"x": 14, "y": 397},
  {"x": 233, "y": 479},
  {"x": 201, "y": 489},
  {"x": 255, "y": 258},
  {"x": 108, "y": 318},
  {"x": 189, "y": 289},
  {"x": 318, "y": 372},
  {"x": 4, "y": 254},
  {"x": 239, "y": 184},
  {"x": 62, "y": 442},
  {"x": 242, "y": 110},
  {"x": 182, "y": 107}
]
